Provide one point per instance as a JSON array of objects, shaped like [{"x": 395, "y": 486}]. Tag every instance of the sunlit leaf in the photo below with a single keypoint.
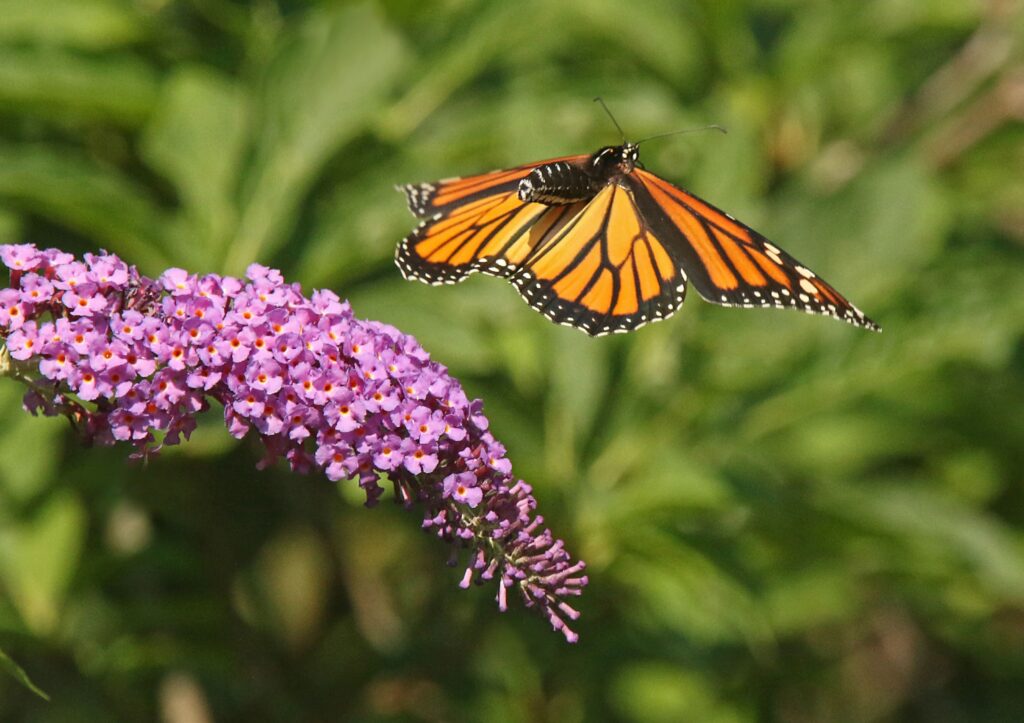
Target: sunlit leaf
[
  {"x": 86, "y": 198},
  {"x": 38, "y": 556},
  {"x": 87, "y": 24},
  {"x": 653, "y": 691},
  {"x": 23, "y": 476},
  {"x": 196, "y": 137},
  {"x": 324, "y": 85}
]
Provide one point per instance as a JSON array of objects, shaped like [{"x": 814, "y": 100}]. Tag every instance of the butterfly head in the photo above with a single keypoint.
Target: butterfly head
[{"x": 615, "y": 160}]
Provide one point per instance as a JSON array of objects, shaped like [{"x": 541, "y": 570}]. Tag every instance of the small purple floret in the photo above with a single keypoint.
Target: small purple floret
[{"x": 128, "y": 358}]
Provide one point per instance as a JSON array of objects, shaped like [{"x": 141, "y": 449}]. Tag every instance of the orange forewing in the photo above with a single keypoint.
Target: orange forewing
[{"x": 731, "y": 264}]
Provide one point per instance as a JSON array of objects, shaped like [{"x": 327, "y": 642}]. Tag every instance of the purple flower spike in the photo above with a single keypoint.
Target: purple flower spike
[{"x": 128, "y": 358}]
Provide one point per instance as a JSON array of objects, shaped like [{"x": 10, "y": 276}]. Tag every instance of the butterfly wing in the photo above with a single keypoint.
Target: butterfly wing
[
  {"x": 593, "y": 265},
  {"x": 469, "y": 224},
  {"x": 427, "y": 200},
  {"x": 728, "y": 262},
  {"x": 600, "y": 268}
]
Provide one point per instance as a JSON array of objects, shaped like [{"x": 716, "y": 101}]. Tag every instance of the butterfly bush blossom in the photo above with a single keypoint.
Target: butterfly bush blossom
[{"x": 133, "y": 359}]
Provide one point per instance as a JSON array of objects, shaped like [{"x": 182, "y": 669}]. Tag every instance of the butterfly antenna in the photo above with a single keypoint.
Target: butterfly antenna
[
  {"x": 600, "y": 100},
  {"x": 711, "y": 127}
]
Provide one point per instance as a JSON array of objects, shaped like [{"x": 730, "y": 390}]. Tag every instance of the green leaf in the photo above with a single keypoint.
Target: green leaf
[
  {"x": 653, "y": 691},
  {"x": 196, "y": 138},
  {"x": 71, "y": 191},
  {"x": 676, "y": 587},
  {"x": 659, "y": 32},
  {"x": 325, "y": 85},
  {"x": 579, "y": 379},
  {"x": 86, "y": 24},
  {"x": 844, "y": 236},
  {"x": 16, "y": 672},
  {"x": 665, "y": 485},
  {"x": 10, "y": 227},
  {"x": 24, "y": 475},
  {"x": 936, "y": 525},
  {"x": 62, "y": 86},
  {"x": 355, "y": 230},
  {"x": 445, "y": 317},
  {"x": 811, "y": 598},
  {"x": 495, "y": 30},
  {"x": 38, "y": 557}
]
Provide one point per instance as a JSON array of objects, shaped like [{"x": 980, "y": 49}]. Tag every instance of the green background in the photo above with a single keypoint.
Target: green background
[{"x": 785, "y": 518}]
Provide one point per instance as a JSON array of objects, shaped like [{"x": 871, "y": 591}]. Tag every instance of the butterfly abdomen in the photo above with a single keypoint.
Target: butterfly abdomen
[{"x": 556, "y": 184}]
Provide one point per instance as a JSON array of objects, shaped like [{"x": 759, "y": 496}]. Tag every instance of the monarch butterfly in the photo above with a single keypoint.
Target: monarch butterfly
[{"x": 598, "y": 243}]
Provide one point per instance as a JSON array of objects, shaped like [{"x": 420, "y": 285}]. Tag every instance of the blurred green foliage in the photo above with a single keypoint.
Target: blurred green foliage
[{"x": 785, "y": 517}]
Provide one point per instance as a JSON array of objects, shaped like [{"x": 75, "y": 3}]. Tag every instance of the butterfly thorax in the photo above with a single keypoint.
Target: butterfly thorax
[{"x": 565, "y": 182}]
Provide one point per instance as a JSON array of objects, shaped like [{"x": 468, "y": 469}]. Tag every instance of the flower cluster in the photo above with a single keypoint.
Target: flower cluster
[{"x": 128, "y": 358}]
